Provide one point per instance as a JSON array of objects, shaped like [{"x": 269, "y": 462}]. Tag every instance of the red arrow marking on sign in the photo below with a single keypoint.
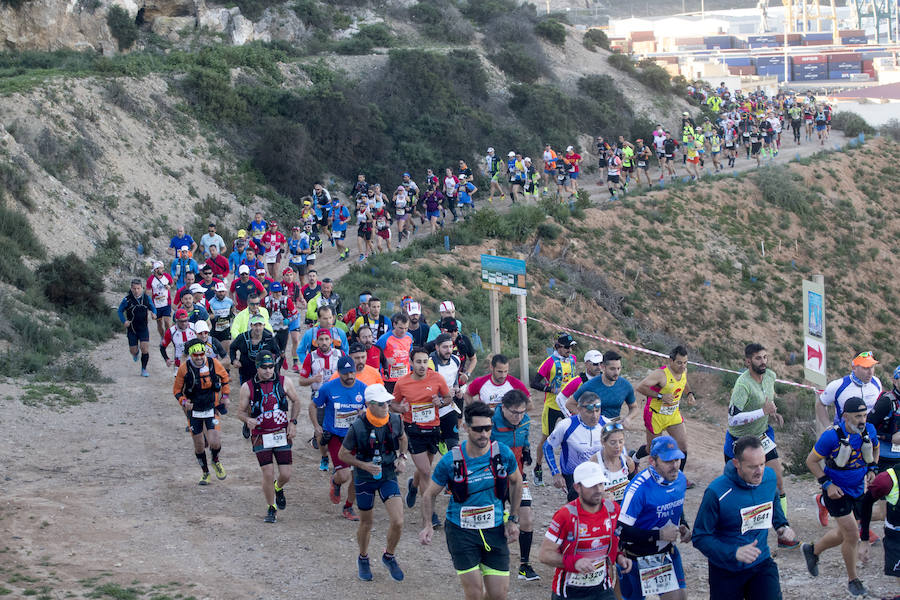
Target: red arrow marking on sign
[{"x": 813, "y": 353}]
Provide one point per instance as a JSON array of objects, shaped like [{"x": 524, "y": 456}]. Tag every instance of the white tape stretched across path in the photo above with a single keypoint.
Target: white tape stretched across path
[{"x": 655, "y": 353}]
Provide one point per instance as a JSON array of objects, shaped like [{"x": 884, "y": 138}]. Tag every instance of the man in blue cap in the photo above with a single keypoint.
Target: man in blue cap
[
  {"x": 650, "y": 522},
  {"x": 343, "y": 400},
  {"x": 732, "y": 526}
]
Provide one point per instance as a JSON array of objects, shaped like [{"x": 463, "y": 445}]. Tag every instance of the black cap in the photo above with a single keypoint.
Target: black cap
[
  {"x": 449, "y": 324},
  {"x": 565, "y": 340},
  {"x": 265, "y": 358},
  {"x": 854, "y": 405},
  {"x": 356, "y": 347}
]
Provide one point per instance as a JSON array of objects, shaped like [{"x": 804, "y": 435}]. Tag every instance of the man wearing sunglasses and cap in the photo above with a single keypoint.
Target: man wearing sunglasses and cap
[
  {"x": 593, "y": 367},
  {"x": 375, "y": 446},
  {"x": 859, "y": 383},
  {"x": 269, "y": 406},
  {"x": 581, "y": 543},
  {"x": 651, "y": 522},
  {"x": 201, "y": 387},
  {"x": 446, "y": 309},
  {"x": 849, "y": 450},
  {"x": 578, "y": 438},
  {"x": 555, "y": 372}
]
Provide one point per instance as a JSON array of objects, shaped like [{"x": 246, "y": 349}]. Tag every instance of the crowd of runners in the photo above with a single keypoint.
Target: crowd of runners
[{"x": 388, "y": 396}]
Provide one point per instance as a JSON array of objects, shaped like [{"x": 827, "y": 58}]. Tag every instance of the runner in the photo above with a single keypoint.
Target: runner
[
  {"x": 492, "y": 172},
  {"x": 821, "y": 124},
  {"x": 447, "y": 365},
  {"x": 273, "y": 245},
  {"x": 850, "y": 451},
  {"x": 885, "y": 417},
  {"x": 374, "y": 319},
  {"x": 491, "y": 388},
  {"x": 257, "y": 227},
  {"x": 860, "y": 383},
  {"x": 467, "y": 190},
  {"x": 402, "y": 208},
  {"x": 417, "y": 397},
  {"x": 241, "y": 322},
  {"x": 450, "y": 187},
  {"x": 375, "y": 446},
  {"x": 618, "y": 467},
  {"x": 135, "y": 309},
  {"x": 511, "y": 425},
  {"x": 418, "y": 327},
  {"x": 243, "y": 286},
  {"x": 364, "y": 227},
  {"x": 365, "y": 373},
  {"x": 159, "y": 285},
  {"x": 326, "y": 320},
  {"x": 643, "y": 155},
  {"x": 338, "y": 218},
  {"x": 342, "y": 401},
  {"x": 395, "y": 347},
  {"x": 221, "y": 313},
  {"x": 433, "y": 200},
  {"x": 573, "y": 162},
  {"x": 603, "y": 152},
  {"x": 651, "y": 521},
  {"x": 581, "y": 543},
  {"x": 593, "y": 367},
  {"x": 249, "y": 344},
  {"x": 445, "y": 309},
  {"x": 551, "y": 377},
  {"x": 265, "y": 403},
  {"x": 733, "y": 522},
  {"x": 180, "y": 240},
  {"x": 482, "y": 475},
  {"x": 615, "y": 392},
  {"x": 884, "y": 485},
  {"x": 178, "y": 335},
  {"x": 549, "y": 159},
  {"x": 578, "y": 438},
  {"x": 210, "y": 240},
  {"x": 317, "y": 368},
  {"x": 214, "y": 348},
  {"x": 613, "y": 178},
  {"x": 201, "y": 387},
  {"x": 182, "y": 264},
  {"x": 663, "y": 389}
]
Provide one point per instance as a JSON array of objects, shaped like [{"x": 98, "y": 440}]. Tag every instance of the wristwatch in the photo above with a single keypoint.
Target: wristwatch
[
  {"x": 294, "y": 421},
  {"x": 513, "y": 519}
]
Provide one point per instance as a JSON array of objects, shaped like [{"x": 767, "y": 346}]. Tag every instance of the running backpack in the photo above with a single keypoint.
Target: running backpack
[
  {"x": 256, "y": 396},
  {"x": 365, "y": 449},
  {"x": 839, "y": 462},
  {"x": 459, "y": 482}
]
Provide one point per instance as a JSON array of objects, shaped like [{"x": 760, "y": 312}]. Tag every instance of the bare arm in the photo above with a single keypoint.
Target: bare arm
[
  {"x": 427, "y": 501},
  {"x": 823, "y": 418},
  {"x": 243, "y": 412},
  {"x": 655, "y": 379}
]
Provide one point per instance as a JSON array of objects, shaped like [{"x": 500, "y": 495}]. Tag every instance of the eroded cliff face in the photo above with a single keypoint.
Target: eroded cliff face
[{"x": 81, "y": 24}]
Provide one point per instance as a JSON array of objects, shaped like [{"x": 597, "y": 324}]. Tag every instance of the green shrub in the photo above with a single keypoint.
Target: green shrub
[
  {"x": 551, "y": 30},
  {"x": 482, "y": 11},
  {"x": 122, "y": 27},
  {"x": 777, "y": 186},
  {"x": 441, "y": 21},
  {"x": 254, "y": 9},
  {"x": 622, "y": 62},
  {"x": 72, "y": 285},
  {"x": 14, "y": 182},
  {"x": 211, "y": 96},
  {"x": 594, "y": 38},
  {"x": 368, "y": 37},
  {"x": 654, "y": 76},
  {"x": 891, "y": 129},
  {"x": 515, "y": 61},
  {"x": 548, "y": 231},
  {"x": 851, "y": 124}
]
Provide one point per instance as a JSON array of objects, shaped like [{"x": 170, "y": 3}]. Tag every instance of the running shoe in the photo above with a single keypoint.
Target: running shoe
[
  {"x": 134, "y": 357},
  {"x": 334, "y": 492},
  {"x": 361, "y": 258},
  {"x": 204, "y": 480},
  {"x": 220, "y": 471},
  {"x": 411, "y": 492},
  {"x": 539, "y": 477},
  {"x": 812, "y": 561},
  {"x": 270, "y": 516},
  {"x": 442, "y": 447},
  {"x": 145, "y": 373},
  {"x": 435, "y": 521},
  {"x": 280, "y": 500},
  {"x": 823, "y": 512},
  {"x": 856, "y": 588},
  {"x": 245, "y": 431},
  {"x": 783, "y": 543},
  {"x": 873, "y": 537},
  {"x": 527, "y": 573},
  {"x": 323, "y": 464},
  {"x": 363, "y": 568},
  {"x": 392, "y": 566},
  {"x": 348, "y": 513}
]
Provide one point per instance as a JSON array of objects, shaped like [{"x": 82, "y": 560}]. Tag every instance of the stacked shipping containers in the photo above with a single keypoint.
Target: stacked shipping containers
[
  {"x": 841, "y": 66},
  {"x": 762, "y": 41},
  {"x": 809, "y": 67},
  {"x": 770, "y": 65}
]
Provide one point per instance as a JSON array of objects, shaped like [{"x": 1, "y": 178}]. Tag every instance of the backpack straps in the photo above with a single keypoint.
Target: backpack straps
[{"x": 459, "y": 477}]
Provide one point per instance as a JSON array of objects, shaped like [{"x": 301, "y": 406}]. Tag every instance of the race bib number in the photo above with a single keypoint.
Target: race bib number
[
  {"x": 276, "y": 320},
  {"x": 337, "y": 234},
  {"x": 401, "y": 211},
  {"x": 223, "y": 324},
  {"x": 274, "y": 440},
  {"x": 768, "y": 444},
  {"x": 756, "y": 517},
  {"x": 476, "y": 517},
  {"x": 592, "y": 579},
  {"x": 422, "y": 413},
  {"x": 657, "y": 574},
  {"x": 617, "y": 490},
  {"x": 344, "y": 419},
  {"x": 895, "y": 448},
  {"x": 668, "y": 409},
  {"x": 642, "y": 163},
  {"x": 526, "y": 491},
  {"x": 203, "y": 414},
  {"x": 397, "y": 370}
]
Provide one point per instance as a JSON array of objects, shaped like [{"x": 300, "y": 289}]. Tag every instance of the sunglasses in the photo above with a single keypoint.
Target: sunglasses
[
  {"x": 517, "y": 412},
  {"x": 610, "y": 427},
  {"x": 867, "y": 354},
  {"x": 265, "y": 367},
  {"x": 254, "y": 304},
  {"x": 592, "y": 406},
  {"x": 380, "y": 402},
  {"x": 481, "y": 428}
]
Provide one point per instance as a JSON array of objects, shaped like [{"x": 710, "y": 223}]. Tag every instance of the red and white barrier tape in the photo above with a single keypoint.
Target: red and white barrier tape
[{"x": 660, "y": 354}]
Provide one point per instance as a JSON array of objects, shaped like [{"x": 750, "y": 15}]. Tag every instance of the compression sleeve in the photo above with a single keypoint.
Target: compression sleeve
[
  {"x": 121, "y": 309},
  {"x": 865, "y": 516},
  {"x": 636, "y": 534},
  {"x": 742, "y": 418},
  {"x": 550, "y": 457}
]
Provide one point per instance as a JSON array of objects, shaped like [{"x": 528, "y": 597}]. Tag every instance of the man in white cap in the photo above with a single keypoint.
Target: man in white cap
[
  {"x": 581, "y": 542},
  {"x": 447, "y": 309},
  {"x": 573, "y": 161},
  {"x": 159, "y": 285},
  {"x": 214, "y": 348},
  {"x": 182, "y": 264},
  {"x": 418, "y": 327},
  {"x": 492, "y": 171},
  {"x": 221, "y": 311},
  {"x": 196, "y": 312},
  {"x": 593, "y": 367},
  {"x": 243, "y": 286},
  {"x": 375, "y": 446}
]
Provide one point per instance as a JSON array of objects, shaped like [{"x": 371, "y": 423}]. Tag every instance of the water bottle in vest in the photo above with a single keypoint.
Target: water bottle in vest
[{"x": 376, "y": 459}]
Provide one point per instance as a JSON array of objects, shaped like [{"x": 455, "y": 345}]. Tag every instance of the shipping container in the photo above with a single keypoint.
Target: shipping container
[
  {"x": 791, "y": 37},
  {"x": 846, "y": 66},
  {"x": 845, "y": 56},
  {"x": 648, "y": 47},
  {"x": 809, "y": 43},
  {"x": 818, "y": 36},
  {"x": 742, "y": 70},
  {"x": 689, "y": 41},
  {"x": 641, "y": 36},
  {"x": 804, "y": 59},
  {"x": 761, "y": 39},
  {"x": 854, "y": 41},
  {"x": 851, "y": 33},
  {"x": 810, "y": 67},
  {"x": 742, "y": 61},
  {"x": 841, "y": 74},
  {"x": 770, "y": 60},
  {"x": 810, "y": 76},
  {"x": 718, "y": 45}
]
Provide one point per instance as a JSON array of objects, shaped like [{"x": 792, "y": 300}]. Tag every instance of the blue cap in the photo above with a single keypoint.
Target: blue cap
[
  {"x": 346, "y": 365},
  {"x": 666, "y": 448},
  {"x": 275, "y": 287},
  {"x": 897, "y": 372},
  {"x": 407, "y": 175}
]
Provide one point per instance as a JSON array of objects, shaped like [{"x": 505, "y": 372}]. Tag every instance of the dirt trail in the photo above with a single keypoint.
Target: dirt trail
[{"x": 111, "y": 487}]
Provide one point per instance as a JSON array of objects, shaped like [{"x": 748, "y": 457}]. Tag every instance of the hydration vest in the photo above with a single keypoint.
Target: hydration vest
[
  {"x": 256, "y": 395},
  {"x": 840, "y": 461},
  {"x": 459, "y": 482}
]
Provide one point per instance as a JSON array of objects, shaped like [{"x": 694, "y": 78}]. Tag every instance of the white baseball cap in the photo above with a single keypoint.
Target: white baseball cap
[
  {"x": 196, "y": 288},
  {"x": 378, "y": 393},
  {"x": 511, "y": 154},
  {"x": 200, "y": 327},
  {"x": 243, "y": 269},
  {"x": 157, "y": 264},
  {"x": 220, "y": 287},
  {"x": 589, "y": 474},
  {"x": 526, "y": 159},
  {"x": 446, "y": 306},
  {"x": 490, "y": 150},
  {"x": 185, "y": 249},
  {"x": 569, "y": 148},
  {"x": 593, "y": 356},
  {"x": 414, "y": 308}
]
